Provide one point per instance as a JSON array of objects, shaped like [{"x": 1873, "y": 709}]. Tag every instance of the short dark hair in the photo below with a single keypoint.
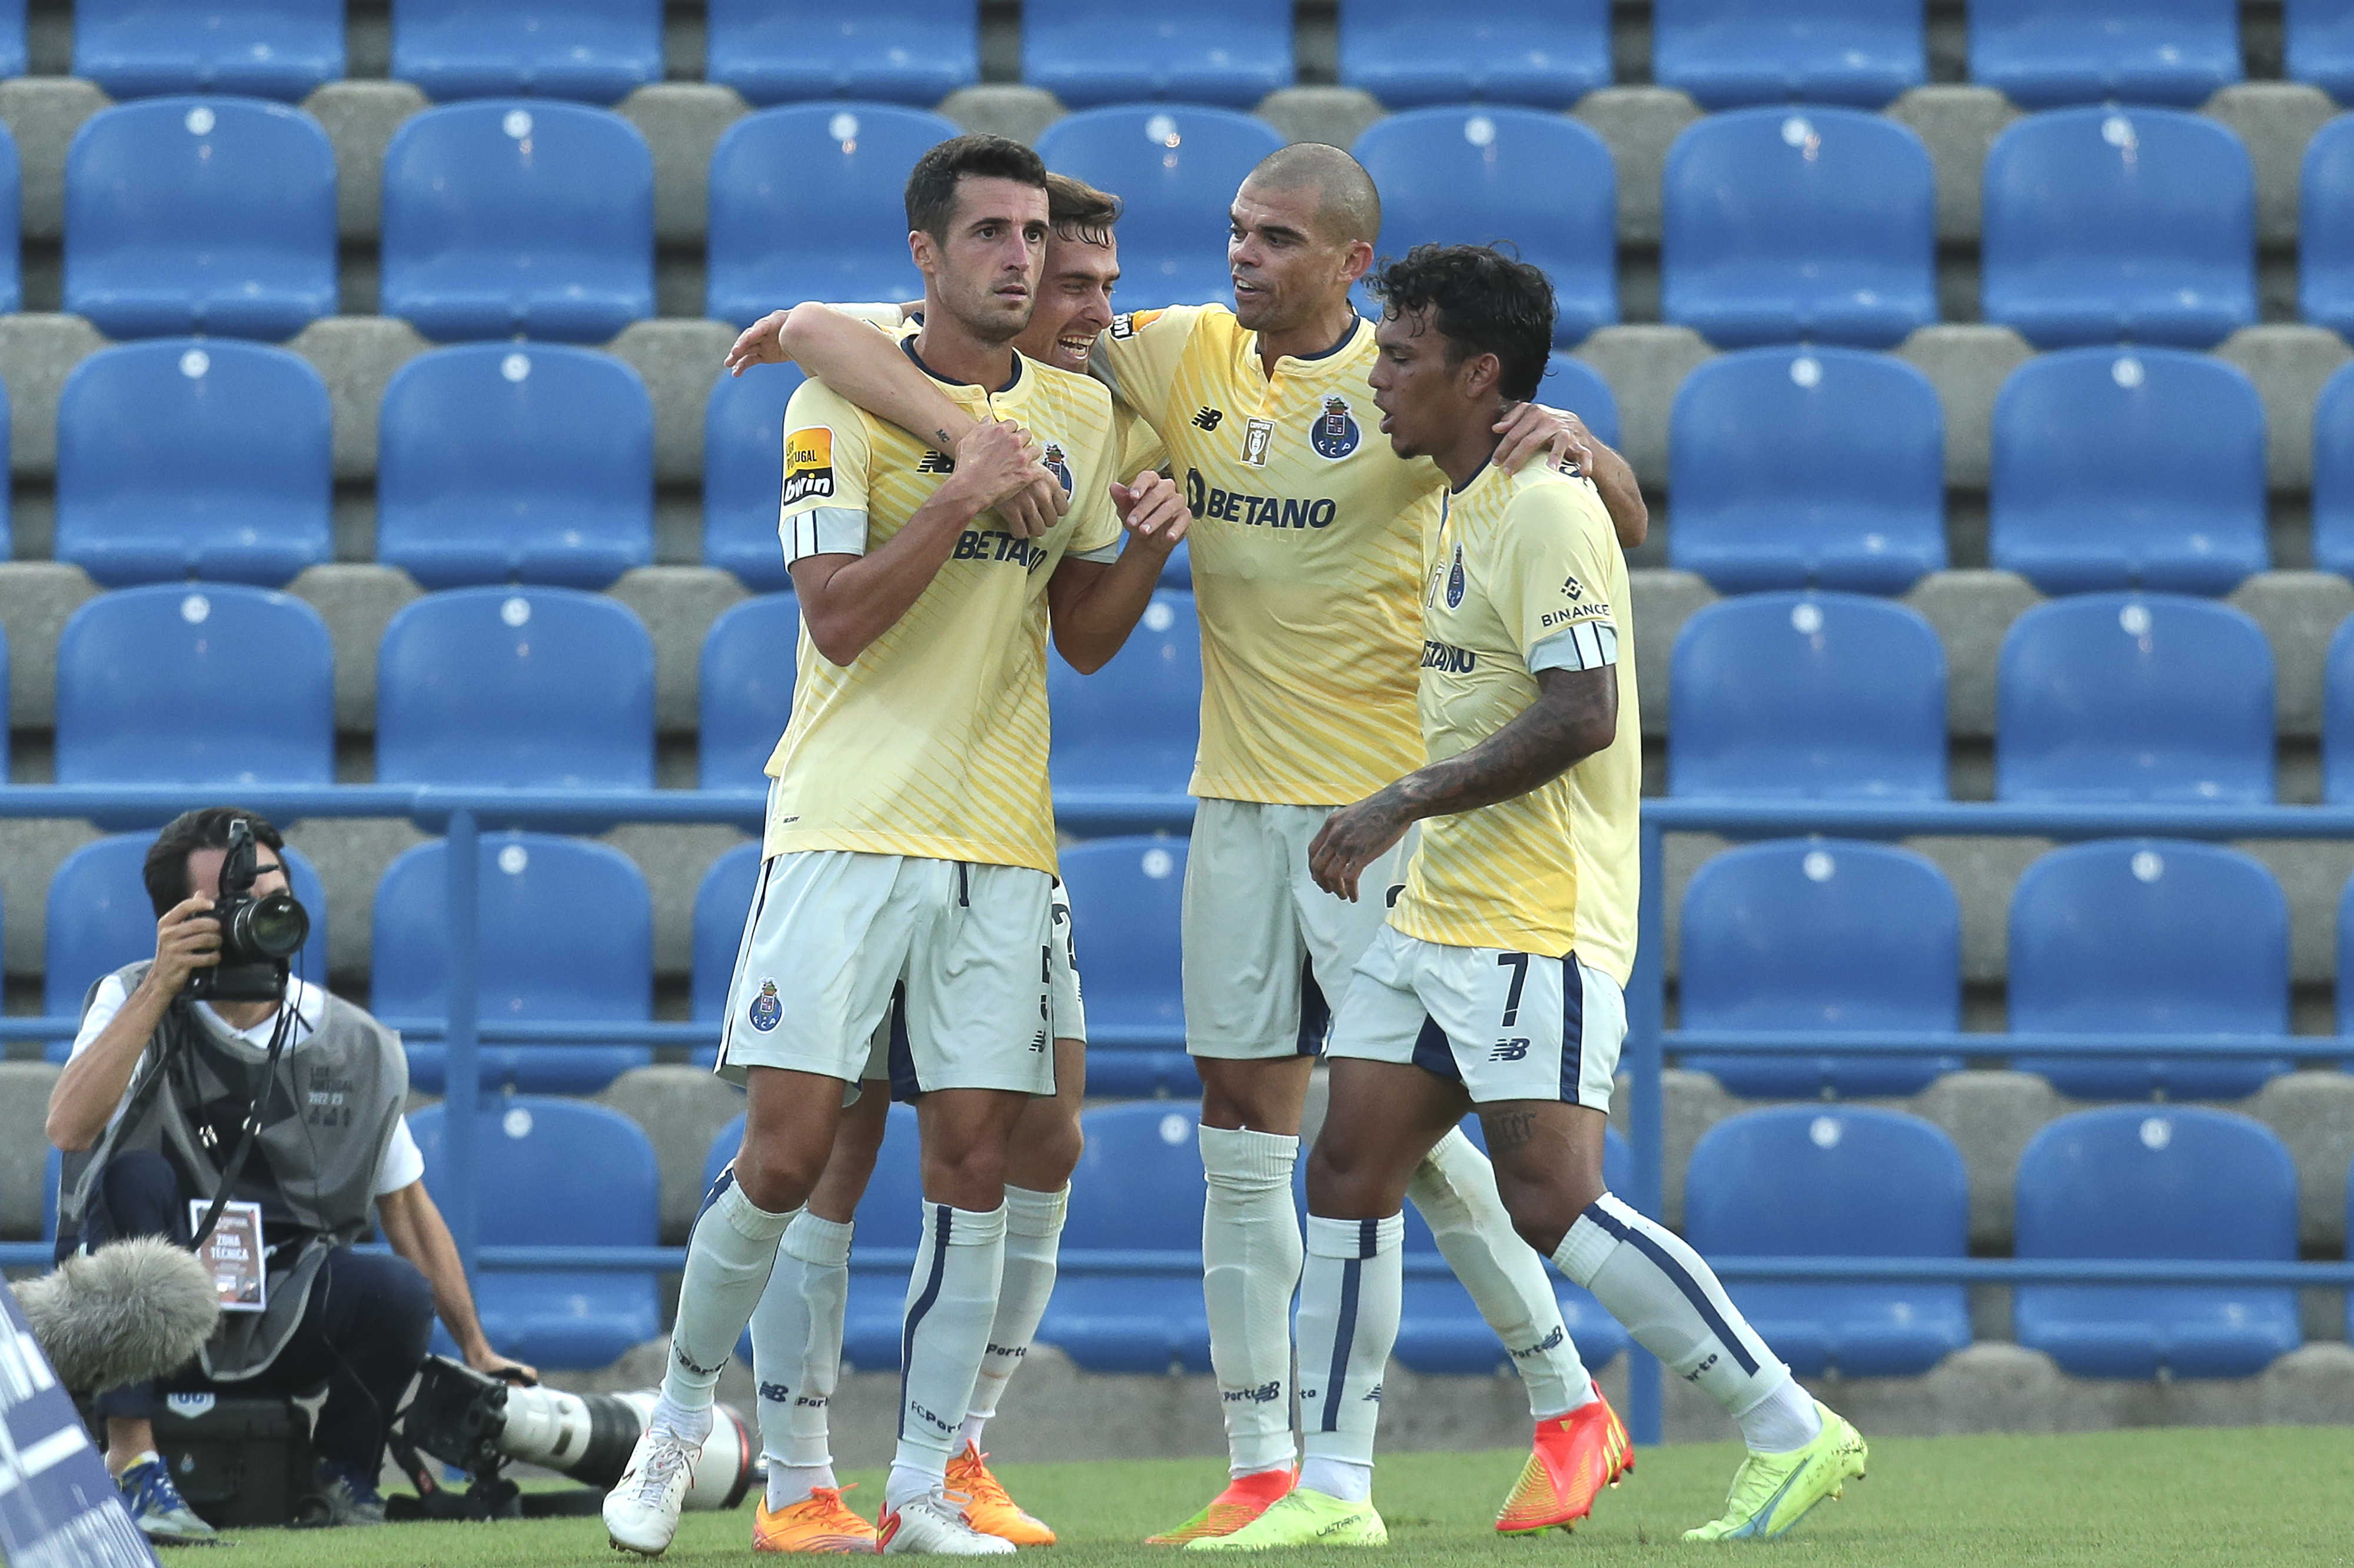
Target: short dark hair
[
  {"x": 932, "y": 186},
  {"x": 1079, "y": 211},
  {"x": 166, "y": 871},
  {"x": 1483, "y": 302}
]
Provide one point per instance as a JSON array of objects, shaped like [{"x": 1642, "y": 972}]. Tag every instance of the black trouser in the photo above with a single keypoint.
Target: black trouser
[{"x": 364, "y": 1331}]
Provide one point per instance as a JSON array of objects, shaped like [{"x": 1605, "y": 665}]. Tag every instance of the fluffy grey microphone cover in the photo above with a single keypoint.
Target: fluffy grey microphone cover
[{"x": 130, "y": 1311}]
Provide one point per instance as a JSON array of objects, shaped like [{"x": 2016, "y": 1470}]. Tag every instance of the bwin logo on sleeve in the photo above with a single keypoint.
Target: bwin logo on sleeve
[
  {"x": 767, "y": 1009},
  {"x": 1334, "y": 435}
]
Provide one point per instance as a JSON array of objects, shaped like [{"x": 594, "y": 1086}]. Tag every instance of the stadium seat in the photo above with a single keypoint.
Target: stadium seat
[
  {"x": 200, "y": 215},
  {"x": 2333, "y": 475},
  {"x": 596, "y": 50},
  {"x": 807, "y": 202},
  {"x": 1837, "y": 1182},
  {"x": 2149, "y": 936},
  {"x": 2319, "y": 45},
  {"x": 1133, "y": 725},
  {"x": 524, "y": 687},
  {"x": 722, "y": 899},
  {"x": 1808, "y": 468},
  {"x": 1546, "y": 54},
  {"x": 1727, "y": 54},
  {"x": 564, "y": 935},
  {"x": 1125, "y": 893},
  {"x": 212, "y": 683},
  {"x": 180, "y": 457},
  {"x": 2102, "y": 224},
  {"x": 1825, "y": 936},
  {"x": 518, "y": 218},
  {"x": 2324, "y": 228},
  {"x": 1569, "y": 383},
  {"x": 506, "y": 461},
  {"x": 901, "y": 51},
  {"x": 2116, "y": 698},
  {"x": 2128, "y": 468},
  {"x": 1787, "y": 224},
  {"x": 2173, "y": 1182},
  {"x": 256, "y": 49},
  {"x": 8, "y": 533},
  {"x": 1177, "y": 168},
  {"x": 743, "y": 462},
  {"x": 1808, "y": 697},
  {"x": 1138, "y": 1184},
  {"x": 1439, "y": 1328},
  {"x": 1477, "y": 174},
  {"x": 746, "y": 691},
  {"x": 2337, "y": 729},
  {"x": 12, "y": 39},
  {"x": 2136, "y": 51},
  {"x": 1233, "y": 52},
  {"x": 565, "y": 1174},
  {"x": 99, "y": 918}
]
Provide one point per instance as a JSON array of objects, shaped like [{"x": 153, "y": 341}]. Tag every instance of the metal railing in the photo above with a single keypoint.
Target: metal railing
[{"x": 462, "y": 815}]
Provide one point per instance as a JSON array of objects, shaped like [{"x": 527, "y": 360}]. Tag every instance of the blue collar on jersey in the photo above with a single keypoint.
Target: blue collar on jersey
[
  {"x": 908, "y": 342},
  {"x": 1347, "y": 338},
  {"x": 1475, "y": 475}
]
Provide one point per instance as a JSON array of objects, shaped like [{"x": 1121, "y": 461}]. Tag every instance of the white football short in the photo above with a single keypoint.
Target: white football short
[
  {"x": 834, "y": 937},
  {"x": 1070, "y": 1016},
  {"x": 1266, "y": 949},
  {"x": 1505, "y": 1025}
]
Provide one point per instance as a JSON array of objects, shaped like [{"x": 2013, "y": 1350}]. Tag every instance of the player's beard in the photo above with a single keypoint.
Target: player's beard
[{"x": 979, "y": 312}]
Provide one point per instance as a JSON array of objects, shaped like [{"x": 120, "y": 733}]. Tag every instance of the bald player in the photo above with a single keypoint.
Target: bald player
[{"x": 1307, "y": 546}]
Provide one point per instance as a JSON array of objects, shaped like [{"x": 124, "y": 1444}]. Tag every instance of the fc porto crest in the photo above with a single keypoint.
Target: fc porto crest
[
  {"x": 1334, "y": 435},
  {"x": 1455, "y": 579},
  {"x": 766, "y": 1012},
  {"x": 1058, "y": 464}
]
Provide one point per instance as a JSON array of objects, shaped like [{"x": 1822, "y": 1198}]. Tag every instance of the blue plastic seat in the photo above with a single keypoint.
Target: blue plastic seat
[
  {"x": 518, "y": 218},
  {"x": 1471, "y": 175},
  {"x": 1125, "y": 895},
  {"x": 1808, "y": 468},
  {"x": 1824, "y": 696},
  {"x": 2128, "y": 468},
  {"x": 722, "y": 899},
  {"x": 524, "y": 687},
  {"x": 2319, "y": 45},
  {"x": 2324, "y": 228},
  {"x": 2338, "y": 728},
  {"x": 746, "y": 691},
  {"x": 2171, "y": 1181},
  {"x": 2333, "y": 475},
  {"x": 743, "y": 463},
  {"x": 12, "y": 37},
  {"x": 1790, "y": 223},
  {"x": 1827, "y": 935},
  {"x": 565, "y": 933},
  {"x": 2137, "y": 51},
  {"x": 2102, "y": 224},
  {"x": 2149, "y": 936},
  {"x": 186, "y": 458},
  {"x": 1726, "y": 54},
  {"x": 1547, "y": 54},
  {"x": 2115, "y": 698},
  {"x": 809, "y": 202},
  {"x": 596, "y": 50},
  {"x": 1177, "y": 166},
  {"x": 200, "y": 215},
  {"x": 1233, "y": 52},
  {"x": 1569, "y": 383},
  {"x": 1138, "y": 1184},
  {"x": 504, "y": 461},
  {"x": 1837, "y": 1182},
  {"x": 210, "y": 683},
  {"x": 900, "y": 51},
  {"x": 257, "y": 49},
  {"x": 551, "y": 1173},
  {"x": 1133, "y": 724}
]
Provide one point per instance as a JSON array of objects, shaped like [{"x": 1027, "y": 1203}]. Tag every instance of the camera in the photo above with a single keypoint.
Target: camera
[{"x": 259, "y": 936}]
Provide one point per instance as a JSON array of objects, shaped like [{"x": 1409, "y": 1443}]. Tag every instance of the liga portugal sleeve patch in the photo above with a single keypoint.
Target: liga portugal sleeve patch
[{"x": 808, "y": 463}]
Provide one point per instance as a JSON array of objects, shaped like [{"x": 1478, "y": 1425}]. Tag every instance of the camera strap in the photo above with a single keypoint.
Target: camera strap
[{"x": 279, "y": 1033}]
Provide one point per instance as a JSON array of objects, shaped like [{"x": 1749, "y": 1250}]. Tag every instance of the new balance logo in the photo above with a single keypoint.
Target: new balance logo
[
  {"x": 1542, "y": 1346},
  {"x": 936, "y": 462},
  {"x": 1207, "y": 420},
  {"x": 775, "y": 1393},
  {"x": 1513, "y": 1050},
  {"x": 1265, "y": 1394}
]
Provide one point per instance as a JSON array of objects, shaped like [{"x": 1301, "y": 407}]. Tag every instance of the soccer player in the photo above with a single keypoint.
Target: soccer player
[
  {"x": 910, "y": 836},
  {"x": 1496, "y": 982},
  {"x": 1307, "y": 543}
]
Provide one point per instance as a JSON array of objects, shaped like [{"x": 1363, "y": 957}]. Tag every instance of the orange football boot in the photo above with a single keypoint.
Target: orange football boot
[
  {"x": 819, "y": 1522},
  {"x": 987, "y": 1507},
  {"x": 1573, "y": 1458}
]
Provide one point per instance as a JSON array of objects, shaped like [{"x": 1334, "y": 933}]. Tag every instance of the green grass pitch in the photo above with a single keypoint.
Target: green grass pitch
[{"x": 2245, "y": 1499}]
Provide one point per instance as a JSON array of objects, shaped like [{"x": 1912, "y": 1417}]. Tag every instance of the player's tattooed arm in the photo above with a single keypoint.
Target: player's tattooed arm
[
  {"x": 1576, "y": 714},
  {"x": 1529, "y": 430}
]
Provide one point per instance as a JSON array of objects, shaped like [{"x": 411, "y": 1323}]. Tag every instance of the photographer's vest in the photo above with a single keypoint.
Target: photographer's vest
[{"x": 330, "y": 1116}]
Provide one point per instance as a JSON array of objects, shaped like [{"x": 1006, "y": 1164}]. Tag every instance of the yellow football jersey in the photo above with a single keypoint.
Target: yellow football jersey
[
  {"x": 933, "y": 741},
  {"x": 1524, "y": 574},
  {"x": 1307, "y": 549}
]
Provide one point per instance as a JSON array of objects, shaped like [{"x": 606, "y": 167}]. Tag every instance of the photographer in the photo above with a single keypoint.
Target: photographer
[{"x": 165, "y": 1089}]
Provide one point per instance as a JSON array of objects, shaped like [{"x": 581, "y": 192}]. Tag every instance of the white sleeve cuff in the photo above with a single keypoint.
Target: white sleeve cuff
[
  {"x": 1107, "y": 555},
  {"x": 1588, "y": 645},
  {"x": 823, "y": 531}
]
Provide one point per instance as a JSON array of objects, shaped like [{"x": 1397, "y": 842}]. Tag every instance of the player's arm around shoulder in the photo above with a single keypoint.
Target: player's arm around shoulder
[
  {"x": 1095, "y": 602},
  {"x": 1139, "y": 355}
]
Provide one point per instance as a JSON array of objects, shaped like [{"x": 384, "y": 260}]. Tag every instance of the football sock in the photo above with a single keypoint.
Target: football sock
[
  {"x": 797, "y": 1347},
  {"x": 1349, "y": 1295},
  {"x": 1250, "y": 1266},
  {"x": 1784, "y": 1421},
  {"x": 1455, "y": 1189},
  {"x": 729, "y": 1258},
  {"x": 1034, "y": 1234},
  {"x": 790, "y": 1484},
  {"x": 1669, "y": 1300},
  {"x": 952, "y": 1299}
]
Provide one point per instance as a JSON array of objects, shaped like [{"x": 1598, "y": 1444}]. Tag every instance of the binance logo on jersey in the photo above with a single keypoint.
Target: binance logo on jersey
[
  {"x": 808, "y": 463},
  {"x": 1334, "y": 435},
  {"x": 1570, "y": 589},
  {"x": 1206, "y": 501}
]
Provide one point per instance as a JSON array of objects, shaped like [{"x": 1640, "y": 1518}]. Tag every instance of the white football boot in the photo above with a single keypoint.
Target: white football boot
[
  {"x": 934, "y": 1524},
  {"x": 641, "y": 1510}
]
